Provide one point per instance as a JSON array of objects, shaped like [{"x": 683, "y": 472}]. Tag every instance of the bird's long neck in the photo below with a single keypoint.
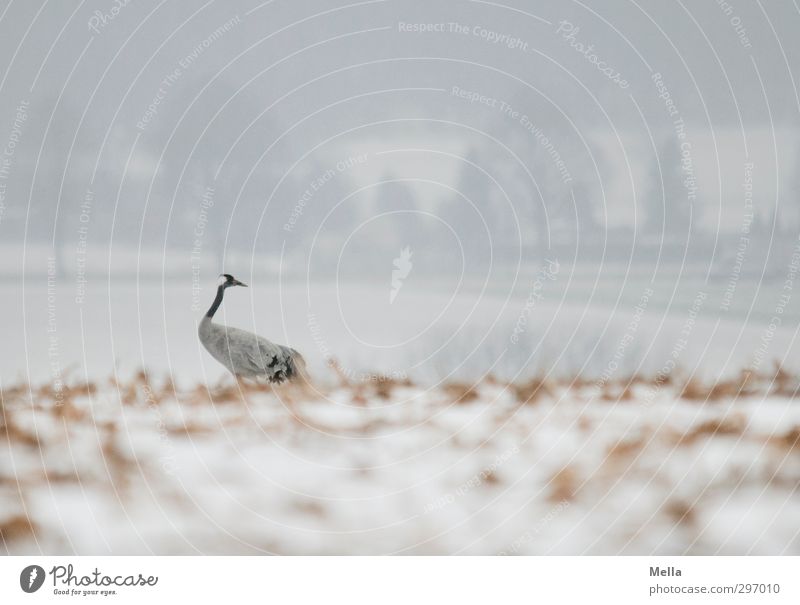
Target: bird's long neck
[{"x": 217, "y": 302}]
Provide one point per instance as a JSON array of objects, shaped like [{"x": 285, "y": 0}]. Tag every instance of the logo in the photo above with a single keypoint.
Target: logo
[
  {"x": 31, "y": 578},
  {"x": 402, "y": 268}
]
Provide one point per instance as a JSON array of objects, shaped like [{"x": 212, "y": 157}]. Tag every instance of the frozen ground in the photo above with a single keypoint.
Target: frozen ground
[
  {"x": 387, "y": 467},
  {"x": 438, "y": 460}
]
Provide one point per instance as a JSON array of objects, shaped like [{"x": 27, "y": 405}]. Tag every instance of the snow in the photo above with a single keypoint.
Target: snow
[
  {"x": 432, "y": 331},
  {"x": 448, "y": 456},
  {"x": 135, "y": 467}
]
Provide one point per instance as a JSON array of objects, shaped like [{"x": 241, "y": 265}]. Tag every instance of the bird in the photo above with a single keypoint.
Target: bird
[{"x": 248, "y": 355}]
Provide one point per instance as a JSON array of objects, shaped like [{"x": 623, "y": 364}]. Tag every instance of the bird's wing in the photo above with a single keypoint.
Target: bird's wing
[
  {"x": 273, "y": 361},
  {"x": 296, "y": 364},
  {"x": 254, "y": 355}
]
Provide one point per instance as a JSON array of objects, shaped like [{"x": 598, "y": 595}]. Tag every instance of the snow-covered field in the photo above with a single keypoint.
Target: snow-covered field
[
  {"x": 389, "y": 467},
  {"x": 457, "y": 453},
  {"x": 575, "y": 324}
]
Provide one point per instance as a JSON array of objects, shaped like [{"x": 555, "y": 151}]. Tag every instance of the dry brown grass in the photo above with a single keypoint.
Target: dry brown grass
[
  {"x": 785, "y": 384},
  {"x": 790, "y": 439},
  {"x": 69, "y": 412},
  {"x": 66, "y": 392},
  {"x": 532, "y": 390},
  {"x": 217, "y": 394},
  {"x": 490, "y": 478},
  {"x": 55, "y": 477},
  {"x": 742, "y": 385},
  {"x": 383, "y": 390},
  {"x": 73, "y": 411},
  {"x": 492, "y": 380},
  {"x": 460, "y": 392},
  {"x": 627, "y": 393},
  {"x": 344, "y": 379},
  {"x": 564, "y": 485},
  {"x": 10, "y": 431},
  {"x": 727, "y": 425},
  {"x": 617, "y": 392},
  {"x": 115, "y": 458},
  {"x": 310, "y": 507},
  {"x": 190, "y": 428},
  {"x": 693, "y": 390},
  {"x": 384, "y": 386},
  {"x": 15, "y": 528},
  {"x": 359, "y": 395},
  {"x": 680, "y": 512},
  {"x": 14, "y": 392},
  {"x": 625, "y": 448},
  {"x": 579, "y": 382}
]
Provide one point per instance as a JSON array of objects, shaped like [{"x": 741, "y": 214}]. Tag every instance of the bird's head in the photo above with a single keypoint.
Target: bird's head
[{"x": 230, "y": 280}]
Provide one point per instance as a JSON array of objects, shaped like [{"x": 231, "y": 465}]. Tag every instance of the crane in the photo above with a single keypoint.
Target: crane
[{"x": 247, "y": 355}]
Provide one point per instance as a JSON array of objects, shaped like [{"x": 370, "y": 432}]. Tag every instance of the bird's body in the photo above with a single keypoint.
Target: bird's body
[{"x": 248, "y": 355}]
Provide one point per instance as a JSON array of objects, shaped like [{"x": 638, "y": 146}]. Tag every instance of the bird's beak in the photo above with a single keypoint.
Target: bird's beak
[{"x": 238, "y": 283}]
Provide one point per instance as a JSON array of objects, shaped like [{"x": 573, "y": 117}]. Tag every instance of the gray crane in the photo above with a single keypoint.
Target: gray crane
[{"x": 247, "y": 355}]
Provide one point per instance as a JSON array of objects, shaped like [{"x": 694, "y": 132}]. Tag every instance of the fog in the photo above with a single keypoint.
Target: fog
[
  {"x": 454, "y": 148},
  {"x": 274, "y": 132},
  {"x": 540, "y": 259}
]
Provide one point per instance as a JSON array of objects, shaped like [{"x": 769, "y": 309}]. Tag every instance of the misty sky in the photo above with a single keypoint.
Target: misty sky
[{"x": 544, "y": 120}]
